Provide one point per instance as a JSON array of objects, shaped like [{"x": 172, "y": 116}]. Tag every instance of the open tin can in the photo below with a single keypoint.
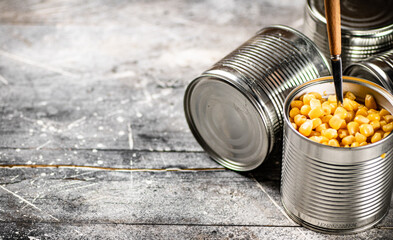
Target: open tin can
[
  {"x": 234, "y": 109},
  {"x": 378, "y": 69},
  {"x": 336, "y": 189},
  {"x": 366, "y": 27}
]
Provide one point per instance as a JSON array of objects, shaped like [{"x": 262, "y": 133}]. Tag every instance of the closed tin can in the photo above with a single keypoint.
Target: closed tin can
[
  {"x": 366, "y": 27},
  {"x": 336, "y": 189},
  {"x": 378, "y": 69},
  {"x": 234, "y": 109}
]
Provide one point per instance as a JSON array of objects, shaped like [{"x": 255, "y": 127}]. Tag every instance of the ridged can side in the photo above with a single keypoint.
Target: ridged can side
[
  {"x": 263, "y": 70},
  {"x": 331, "y": 189}
]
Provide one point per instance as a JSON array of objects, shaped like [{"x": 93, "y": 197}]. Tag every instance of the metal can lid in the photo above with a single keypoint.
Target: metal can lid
[
  {"x": 227, "y": 123},
  {"x": 358, "y": 14}
]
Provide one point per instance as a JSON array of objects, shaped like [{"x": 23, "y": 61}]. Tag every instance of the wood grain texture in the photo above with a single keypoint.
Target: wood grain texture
[
  {"x": 87, "y": 86},
  {"x": 333, "y": 20}
]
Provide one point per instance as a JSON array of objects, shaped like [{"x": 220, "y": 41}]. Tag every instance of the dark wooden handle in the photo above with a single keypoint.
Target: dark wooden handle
[{"x": 333, "y": 20}]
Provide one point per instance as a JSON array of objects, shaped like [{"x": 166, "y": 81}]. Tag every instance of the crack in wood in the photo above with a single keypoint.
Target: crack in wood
[
  {"x": 112, "y": 168},
  {"x": 104, "y": 149}
]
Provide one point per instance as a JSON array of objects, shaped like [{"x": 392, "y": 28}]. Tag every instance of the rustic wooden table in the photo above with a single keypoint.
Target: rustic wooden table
[{"x": 94, "y": 141}]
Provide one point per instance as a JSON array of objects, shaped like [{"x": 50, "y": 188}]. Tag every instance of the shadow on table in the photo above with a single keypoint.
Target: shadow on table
[{"x": 269, "y": 173}]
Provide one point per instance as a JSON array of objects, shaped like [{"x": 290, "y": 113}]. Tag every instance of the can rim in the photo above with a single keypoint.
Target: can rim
[
  {"x": 267, "y": 125},
  {"x": 316, "y": 15},
  {"x": 369, "y": 84},
  {"x": 373, "y": 69}
]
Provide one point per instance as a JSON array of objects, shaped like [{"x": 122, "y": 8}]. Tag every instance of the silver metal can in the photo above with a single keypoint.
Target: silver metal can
[
  {"x": 378, "y": 69},
  {"x": 366, "y": 27},
  {"x": 234, "y": 109},
  {"x": 332, "y": 189}
]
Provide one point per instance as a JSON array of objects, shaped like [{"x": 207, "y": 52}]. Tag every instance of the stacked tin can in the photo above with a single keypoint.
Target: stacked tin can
[
  {"x": 234, "y": 109},
  {"x": 367, "y": 28}
]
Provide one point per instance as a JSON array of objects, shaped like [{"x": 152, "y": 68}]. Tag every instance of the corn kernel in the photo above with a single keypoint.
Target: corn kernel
[
  {"x": 355, "y": 105},
  {"x": 370, "y": 111},
  {"x": 324, "y": 139},
  {"x": 385, "y": 134},
  {"x": 307, "y": 98},
  {"x": 342, "y": 133},
  {"x": 341, "y": 112},
  {"x": 315, "y": 112},
  {"x": 362, "y": 111},
  {"x": 347, "y": 146},
  {"x": 299, "y": 119},
  {"x": 355, "y": 144},
  {"x": 315, "y": 103},
  {"x": 383, "y": 123},
  {"x": 376, "y": 124},
  {"x": 316, "y": 122},
  {"x": 353, "y": 128},
  {"x": 361, "y": 119},
  {"x": 297, "y": 104},
  {"x": 294, "y": 126},
  {"x": 363, "y": 144},
  {"x": 319, "y": 139},
  {"x": 388, "y": 118},
  {"x": 332, "y": 99},
  {"x": 314, "y": 133},
  {"x": 374, "y": 117},
  {"x": 350, "y": 95},
  {"x": 316, "y": 95},
  {"x": 334, "y": 143},
  {"x": 370, "y": 102},
  {"x": 376, "y": 137},
  {"x": 383, "y": 112},
  {"x": 329, "y": 133},
  {"x": 336, "y": 122},
  {"x": 388, "y": 127},
  {"x": 350, "y": 116},
  {"x": 321, "y": 127},
  {"x": 294, "y": 111},
  {"x": 348, "y": 140},
  {"x": 306, "y": 128},
  {"x": 305, "y": 109},
  {"x": 366, "y": 129},
  {"x": 347, "y": 104},
  {"x": 343, "y": 125},
  {"x": 333, "y": 106},
  {"x": 326, "y": 108},
  {"x": 360, "y": 138},
  {"x": 315, "y": 139},
  {"x": 326, "y": 119}
]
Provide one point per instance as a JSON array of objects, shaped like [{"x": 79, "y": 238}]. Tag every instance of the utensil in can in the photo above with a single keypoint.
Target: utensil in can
[
  {"x": 366, "y": 28},
  {"x": 234, "y": 109},
  {"x": 332, "y": 13},
  {"x": 336, "y": 189},
  {"x": 378, "y": 69}
]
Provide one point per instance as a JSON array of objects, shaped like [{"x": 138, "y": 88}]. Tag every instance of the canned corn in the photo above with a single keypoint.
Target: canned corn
[{"x": 332, "y": 189}]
